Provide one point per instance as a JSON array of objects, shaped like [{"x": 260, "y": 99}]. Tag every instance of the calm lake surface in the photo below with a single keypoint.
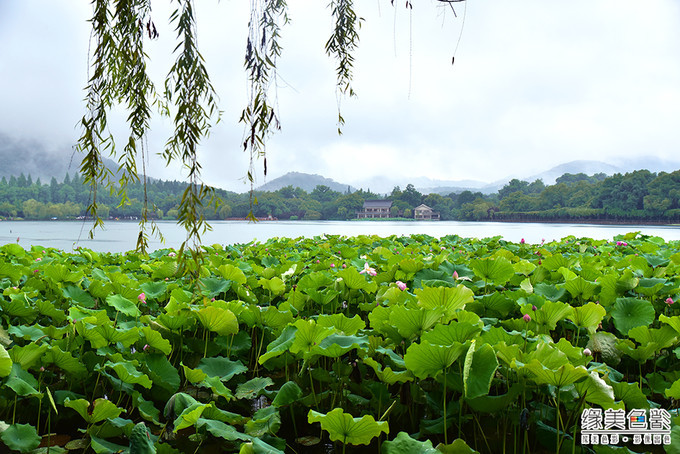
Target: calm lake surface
[{"x": 121, "y": 236}]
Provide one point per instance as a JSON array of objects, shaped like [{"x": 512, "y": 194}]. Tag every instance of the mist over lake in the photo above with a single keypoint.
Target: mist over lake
[{"x": 120, "y": 236}]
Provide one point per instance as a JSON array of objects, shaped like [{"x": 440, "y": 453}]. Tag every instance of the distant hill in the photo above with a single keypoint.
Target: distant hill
[
  {"x": 304, "y": 181},
  {"x": 31, "y": 158}
]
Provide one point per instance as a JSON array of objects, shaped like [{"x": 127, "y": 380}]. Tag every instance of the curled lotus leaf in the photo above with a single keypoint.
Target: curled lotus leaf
[{"x": 344, "y": 428}]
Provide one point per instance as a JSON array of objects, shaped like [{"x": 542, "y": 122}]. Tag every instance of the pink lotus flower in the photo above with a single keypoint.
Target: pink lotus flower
[
  {"x": 455, "y": 275},
  {"x": 332, "y": 265},
  {"x": 521, "y": 241},
  {"x": 344, "y": 265},
  {"x": 368, "y": 270},
  {"x": 669, "y": 301},
  {"x": 171, "y": 254},
  {"x": 527, "y": 318},
  {"x": 401, "y": 285},
  {"x": 38, "y": 259},
  {"x": 141, "y": 297},
  {"x": 587, "y": 352}
]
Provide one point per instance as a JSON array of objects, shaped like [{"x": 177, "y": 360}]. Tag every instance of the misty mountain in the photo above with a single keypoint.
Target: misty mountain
[
  {"x": 32, "y": 158},
  {"x": 304, "y": 181}
]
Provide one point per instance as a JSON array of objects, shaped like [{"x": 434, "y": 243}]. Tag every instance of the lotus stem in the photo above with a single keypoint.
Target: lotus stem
[{"x": 446, "y": 439}]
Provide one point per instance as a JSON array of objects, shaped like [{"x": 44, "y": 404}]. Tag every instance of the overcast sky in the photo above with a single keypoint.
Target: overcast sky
[{"x": 534, "y": 84}]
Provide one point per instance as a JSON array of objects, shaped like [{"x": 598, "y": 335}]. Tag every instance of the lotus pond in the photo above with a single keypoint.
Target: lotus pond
[{"x": 334, "y": 344}]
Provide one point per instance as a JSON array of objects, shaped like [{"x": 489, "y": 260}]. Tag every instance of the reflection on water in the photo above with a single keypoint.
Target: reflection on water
[{"x": 121, "y": 236}]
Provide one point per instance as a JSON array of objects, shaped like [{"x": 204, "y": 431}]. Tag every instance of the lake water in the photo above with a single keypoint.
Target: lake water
[{"x": 121, "y": 236}]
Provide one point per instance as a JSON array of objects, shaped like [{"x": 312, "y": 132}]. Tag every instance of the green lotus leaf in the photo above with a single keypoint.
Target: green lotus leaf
[
  {"x": 342, "y": 323},
  {"x": 253, "y": 388},
  {"x": 497, "y": 334},
  {"x": 162, "y": 372},
  {"x": 63, "y": 360},
  {"x": 524, "y": 267},
  {"x": 548, "y": 355},
  {"x": 413, "y": 322},
  {"x": 190, "y": 416},
  {"x": 19, "y": 306},
  {"x": 175, "y": 322},
  {"x": 153, "y": 290},
  {"x": 344, "y": 428},
  {"x": 22, "y": 382},
  {"x": 448, "y": 299},
  {"x": 98, "y": 411},
  {"x": 581, "y": 288},
  {"x": 630, "y": 394},
  {"x": 563, "y": 376},
  {"x": 31, "y": 333},
  {"x": 289, "y": 393},
  {"x": 194, "y": 375},
  {"x": 274, "y": 285},
  {"x": 497, "y": 271},
  {"x": 426, "y": 360},
  {"x": 221, "y": 321},
  {"x": 449, "y": 334},
  {"x": 498, "y": 304},
  {"x": 404, "y": 444},
  {"x": 275, "y": 318},
  {"x": 128, "y": 373},
  {"x": 21, "y": 437},
  {"x": 79, "y": 296},
  {"x": 308, "y": 335},
  {"x": 478, "y": 370},
  {"x": 280, "y": 345},
  {"x": 674, "y": 391},
  {"x": 62, "y": 273},
  {"x": 641, "y": 354},
  {"x": 650, "y": 286},
  {"x": 457, "y": 447},
  {"x": 508, "y": 353},
  {"x": 410, "y": 265},
  {"x": 673, "y": 322},
  {"x": 550, "y": 313},
  {"x": 5, "y": 362},
  {"x": 257, "y": 446},
  {"x": 597, "y": 391},
  {"x": 90, "y": 316},
  {"x": 106, "y": 334},
  {"x": 336, "y": 345},
  {"x": 526, "y": 286},
  {"x": 605, "y": 344},
  {"x": 387, "y": 375},
  {"x": 664, "y": 336},
  {"x": 555, "y": 262},
  {"x": 494, "y": 404},
  {"x": 47, "y": 309},
  {"x": 213, "y": 286},
  {"x": 156, "y": 340},
  {"x": 11, "y": 271},
  {"x": 588, "y": 316},
  {"x": 222, "y": 430},
  {"x": 27, "y": 356},
  {"x": 549, "y": 291},
  {"x": 266, "y": 420},
  {"x": 164, "y": 270},
  {"x": 221, "y": 367},
  {"x": 356, "y": 281},
  {"x": 146, "y": 408},
  {"x": 232, "y": 273},
  {"x": 631, "y": 312},
  {"x": 217, "y": 387},
  {"x": 123, "y": 305}
]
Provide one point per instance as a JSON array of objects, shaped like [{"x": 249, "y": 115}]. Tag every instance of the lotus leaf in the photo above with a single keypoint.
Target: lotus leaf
[
  {"x": 98, "y": 411},
  {"x": 550, "y": 313},
  {"x": 563, "y": 376},
  {"x": 387, "y": 375},
  {"x": 427, "y": 360},
  {"x": 274, "y": 285},
  {"x": 21, "y": 437},
  {"x": 22, "y": 382},
  {"x": 449, "y": 334},
  {"x": 5, "y": 362},
  {"x": 221, "y": 321},
  {"x": 63, "y": 360},
  {"x": 478, "y": 370},
  {"x": 162, "y": 372},
  {"x": 127, "y": 372},
  {"x": 336, "y": 345},
  {"x": 221, "y": 367},
  {"x": 289, "y": 393},
  {"x": 253, "y": 388},
  {"x": 342, "y": 323},
  {"x": 266, "y": 420},
  {"x": 344, "y": 428},
  {"x": 213, "y": 286},
  {"x": 630, "y": 394},
  {"x": 597, "y": 391},
  {"x": 457, "y": 447},
  {"x": 79, "y": 296},
  {"x": 605, "y": 344},
  {"x": 308, "y": 335},
  {"x": 581, "y": 288},
  {"x": 588, "y": 316},
  {"x": 497, "y": 271},
  {"x": 27, "y": 356},
  {"x": 156, "y": 340},
  {"x": 146, "y": 408},
  {"x": 280, "y": 345},
  {"x": 222, "y": 430},
  {"x": 404, "y": 444},
  {"x": 414, "y": 322},
  {"x": 631, "y": 312},
  {"x": 448, "y": 299}
]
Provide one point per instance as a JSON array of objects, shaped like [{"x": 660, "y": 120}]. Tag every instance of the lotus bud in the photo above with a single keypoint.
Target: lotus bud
[
  {"x": 401, "y": 285},
  {"x": 587, "y": 352},
  {"x": 533, "y": 308},
  {"x": 455, "y": 275},
  {"x": 332, "y": 265},
  {"x": 669, "y": 301},
  {"x": 521, "y": 241},
  {"x": 527, "y": 318}
]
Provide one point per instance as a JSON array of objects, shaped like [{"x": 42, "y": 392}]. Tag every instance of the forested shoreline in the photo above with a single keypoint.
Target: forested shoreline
[{"x": 640, "y": 197}]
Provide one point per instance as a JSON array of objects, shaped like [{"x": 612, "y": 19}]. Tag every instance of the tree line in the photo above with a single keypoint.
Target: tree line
[{"x": 636, "y": 196}]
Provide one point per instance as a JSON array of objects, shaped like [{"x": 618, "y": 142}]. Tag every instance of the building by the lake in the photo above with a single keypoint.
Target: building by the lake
[
  {"x": 425, "y": 213},
  {"x": 375, "y": 209}
]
